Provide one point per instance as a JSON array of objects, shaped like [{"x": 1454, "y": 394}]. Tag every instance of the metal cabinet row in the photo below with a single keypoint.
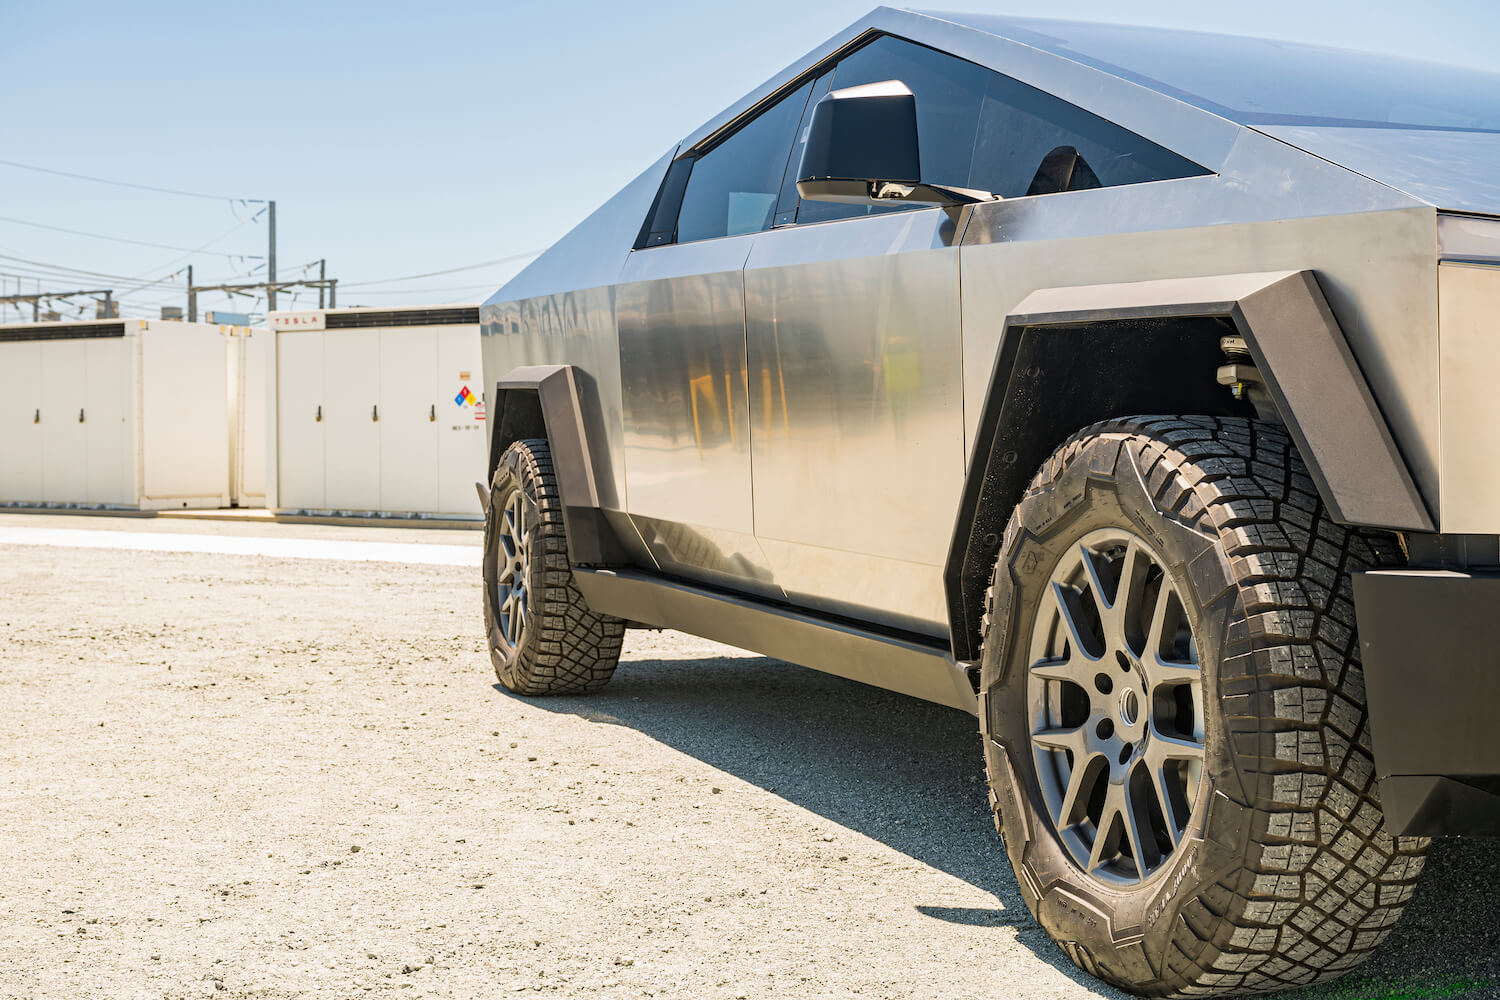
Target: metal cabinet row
[
  {"x": 379, "y": 420},
  {"x": 131, "y": 413}
]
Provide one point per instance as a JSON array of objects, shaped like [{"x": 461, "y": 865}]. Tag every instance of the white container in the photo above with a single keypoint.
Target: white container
[
  {"x": 115, "y": 413},
  {"x": 378, "y": 411}
]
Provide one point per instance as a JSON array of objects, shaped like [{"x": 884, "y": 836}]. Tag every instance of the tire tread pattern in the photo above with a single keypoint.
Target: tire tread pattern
[
  {"x": 1322, "y": 883},
  {"x": 566, "y": 648}
]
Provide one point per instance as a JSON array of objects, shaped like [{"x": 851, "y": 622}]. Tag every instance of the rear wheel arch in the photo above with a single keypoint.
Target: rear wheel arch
[{"x": 558, "y": 404}]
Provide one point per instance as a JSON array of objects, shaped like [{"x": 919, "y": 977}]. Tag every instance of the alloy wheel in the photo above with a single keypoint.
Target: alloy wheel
[
  {"x": 513, "y": 561},
  {"x": 1115, "y": 696}
]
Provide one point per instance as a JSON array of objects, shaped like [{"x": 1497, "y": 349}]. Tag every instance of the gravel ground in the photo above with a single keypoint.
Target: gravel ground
[{"x": 252, "y": 777}]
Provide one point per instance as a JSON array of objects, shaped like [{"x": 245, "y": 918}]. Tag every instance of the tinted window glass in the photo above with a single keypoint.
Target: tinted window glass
[
  {"x": 979, "y": 129},
  {"x": 734, "y": 186},
  {"x": 1030, "y": 142},
  {"x": 949, "y": 93}
]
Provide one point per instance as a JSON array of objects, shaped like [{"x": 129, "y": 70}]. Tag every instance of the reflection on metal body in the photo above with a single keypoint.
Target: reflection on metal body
[
  {"x": 788, "y": 414},
  {"x": 561, "y": 310},
  {"x": 857, "y": 411},
  {"x": 681, "y": 315},
  {"x": 1375, "y": 267}
]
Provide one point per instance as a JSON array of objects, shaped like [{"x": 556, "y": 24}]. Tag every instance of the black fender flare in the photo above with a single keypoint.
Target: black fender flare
[
  {"x": 552, "y": 402},
  {"x": 1296, "y": 344}
]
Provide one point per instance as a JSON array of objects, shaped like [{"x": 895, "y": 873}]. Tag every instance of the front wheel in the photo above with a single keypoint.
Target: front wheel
[
  {"x": 544, "y": 639},
  {"x": 1174, "y": 713}
]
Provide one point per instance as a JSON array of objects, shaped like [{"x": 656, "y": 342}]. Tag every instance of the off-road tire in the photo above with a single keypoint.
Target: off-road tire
[
  {"x": 564, "y": 647},
  {"x": 1285, "y": 874}
]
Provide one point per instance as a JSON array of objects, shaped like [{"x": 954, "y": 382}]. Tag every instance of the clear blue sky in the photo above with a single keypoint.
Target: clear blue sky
[{"x": 432, "y": 136}]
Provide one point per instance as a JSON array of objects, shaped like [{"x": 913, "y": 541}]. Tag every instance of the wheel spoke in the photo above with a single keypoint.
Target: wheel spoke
[
  {"x": 1162, "y": 673},
  {"x": 1159, "y": 643},
  {"x": 1074, "y": 670},
  {"x": 1096, "y": 583},
  {"x": 1069, "y": 609},
  {"x": 1161, "y": 749},
  {"x": 1062, "y": 739},
  {"x": 1130, "y": 817},
  {"x": 1102, "y": 836},
  {"x": 1164, "y": 802},
  {"x": 1073, "y": 795}
]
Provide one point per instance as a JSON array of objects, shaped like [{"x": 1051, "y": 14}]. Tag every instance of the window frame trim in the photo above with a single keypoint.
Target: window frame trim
[{"x": 691, "y": 154}]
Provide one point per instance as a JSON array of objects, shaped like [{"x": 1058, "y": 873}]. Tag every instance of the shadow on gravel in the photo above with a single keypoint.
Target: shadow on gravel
[
  {"x": 910, "y": 775},
  {"x": 901, "y": 771}
]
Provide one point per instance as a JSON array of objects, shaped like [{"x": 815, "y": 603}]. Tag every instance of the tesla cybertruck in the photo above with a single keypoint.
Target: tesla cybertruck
[{"x": 1133, "y": 390}]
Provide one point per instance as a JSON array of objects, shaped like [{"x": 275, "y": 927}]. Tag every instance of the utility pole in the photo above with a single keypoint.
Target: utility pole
[
  {"x": 106, "y": 311},
  {"x": 271, "y": 260},
  {"x": 192, "y": 309},
  {"x": 322, "y": 276}
]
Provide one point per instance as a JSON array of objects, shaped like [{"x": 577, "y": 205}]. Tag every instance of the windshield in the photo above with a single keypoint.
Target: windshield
[{"x": 1256, "y": 81}]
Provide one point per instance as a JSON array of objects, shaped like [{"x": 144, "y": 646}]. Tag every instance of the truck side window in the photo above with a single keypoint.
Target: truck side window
[
  {"x": 979, "y": 129},
  {"x": 734, "y": 186},
  {"x": 1030, "y": 142}
]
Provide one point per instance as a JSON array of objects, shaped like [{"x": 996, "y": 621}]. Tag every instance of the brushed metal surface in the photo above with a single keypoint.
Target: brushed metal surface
[
  {"x": 1469, "y": 311},
  {"x": 1375, "y": 268},
  {"x": 856, "y": 411},
  {"x": 681, "y": 316},
  {"x": 560, "y": 310}
]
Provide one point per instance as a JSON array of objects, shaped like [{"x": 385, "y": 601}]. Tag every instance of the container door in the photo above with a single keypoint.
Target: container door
[
  {"x": 64, "y": 409},
  {"x": 408, "y": 420},
  {"x": 462, "y": 443},
  {"x": 351, "y": 418},
  {"x": 111, "y": 457},
  {"x": 299, "y": 420},
  {"x": 20, "y": 409},
  {"x": 254, "y": 355}
]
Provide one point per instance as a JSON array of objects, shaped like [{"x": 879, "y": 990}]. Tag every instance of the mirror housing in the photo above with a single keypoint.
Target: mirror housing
[{"x": 862, "y": 148}]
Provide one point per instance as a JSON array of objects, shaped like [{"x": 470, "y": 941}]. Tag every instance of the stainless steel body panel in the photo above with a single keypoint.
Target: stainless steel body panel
[
  {"x": 1376, "y": 268},
  {"x": 681, "y": 315},
  {"x": 857, "y": 411},
  {"x": 1469, "y": 300},
  {"x": 1452, "y": 170},
  {"x": 561, "y": 310}
]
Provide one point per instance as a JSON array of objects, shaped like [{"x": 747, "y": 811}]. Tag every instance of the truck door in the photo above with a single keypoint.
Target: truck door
[
  {"x": 855, "y": 370},
  {"x": 681, "y": 312}
]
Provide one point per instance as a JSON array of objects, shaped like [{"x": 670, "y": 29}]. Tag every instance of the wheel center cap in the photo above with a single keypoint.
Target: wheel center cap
[{"x": 1130, "y": 708}]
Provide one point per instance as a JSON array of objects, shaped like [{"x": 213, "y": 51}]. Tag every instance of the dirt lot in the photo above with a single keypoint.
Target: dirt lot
[{"x": 242, "y": 776}]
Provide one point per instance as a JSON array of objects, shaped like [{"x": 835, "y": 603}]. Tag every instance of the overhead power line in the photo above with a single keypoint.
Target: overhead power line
[
  {"x": 452, "y": 270},
  {"x": 421, "y": 291},
  {"x": 123, "y": 239},
  {"x": 128, "y": 184}
]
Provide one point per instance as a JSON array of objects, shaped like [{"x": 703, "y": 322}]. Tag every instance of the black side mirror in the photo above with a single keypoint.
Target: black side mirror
[{"x": 862, "y": 147}]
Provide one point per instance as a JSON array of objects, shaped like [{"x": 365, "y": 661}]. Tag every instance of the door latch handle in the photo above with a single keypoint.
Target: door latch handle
[
  {"x": 80, "y": 415},
  {"x": 319, "y": 417},
  {"x": 37, "y": 418},
  {"x": 375, "y": 412},
  {"x": 432, "y": 414}
]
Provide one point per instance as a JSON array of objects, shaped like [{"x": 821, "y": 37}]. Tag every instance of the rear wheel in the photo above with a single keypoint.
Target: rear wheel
[
  {"x": 1174, "y": 713},
  {"x": 544, "y": 639}
]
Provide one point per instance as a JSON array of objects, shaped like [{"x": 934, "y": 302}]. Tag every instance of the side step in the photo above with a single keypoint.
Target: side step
[{"x": 896, "y": 664}]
